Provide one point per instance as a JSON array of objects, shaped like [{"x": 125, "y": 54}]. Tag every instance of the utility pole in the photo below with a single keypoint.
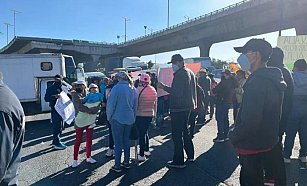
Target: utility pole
[
  {"x": 167, "y": 13},
  {"x": 126, "y": 19},
  {"x": 7, "y": 32},
  {"x": 15, "y": 12}
]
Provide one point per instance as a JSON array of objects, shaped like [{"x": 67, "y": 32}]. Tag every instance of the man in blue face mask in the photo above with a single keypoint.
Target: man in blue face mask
[
  {"x": 182, "y": 101},
  {"x": 256, "y": 129}
]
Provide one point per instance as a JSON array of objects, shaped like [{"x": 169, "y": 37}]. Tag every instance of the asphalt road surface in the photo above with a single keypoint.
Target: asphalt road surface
[{"x": 215, "y": 164}]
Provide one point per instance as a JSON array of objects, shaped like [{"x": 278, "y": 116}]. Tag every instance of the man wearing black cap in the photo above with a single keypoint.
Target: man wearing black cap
[
  {"x": 51, "y": 96},
  {"x": 182, "y": 101},
  {"x": 256, "y": 129}
]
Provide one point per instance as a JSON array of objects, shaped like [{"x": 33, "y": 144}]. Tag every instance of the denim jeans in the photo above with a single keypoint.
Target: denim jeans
[
  {"x": 142, "y": 124},
  {"x": 181, "y": 138},
  {"x": 121, "y": 134},
  {"x": 296, "y": 123},
  {"x": 111, "y": 141},
  {"x": 221, "y": 115},
  {"x": 57, "y": 124}
]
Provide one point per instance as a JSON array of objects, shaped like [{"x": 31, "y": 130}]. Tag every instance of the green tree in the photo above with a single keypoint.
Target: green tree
[
  {"x": 150, "y": 64},
  {"x": 217, "y": 63}
]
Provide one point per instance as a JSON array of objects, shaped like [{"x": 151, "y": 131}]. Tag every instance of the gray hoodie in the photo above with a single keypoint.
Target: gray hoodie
[{"x": 300, "y": 83}]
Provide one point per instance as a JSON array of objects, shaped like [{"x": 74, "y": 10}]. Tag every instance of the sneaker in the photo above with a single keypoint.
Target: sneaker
[
  {"x": 147, "y": 153},
  {"x": 91, "y": 160},
  {"x": 110, "y": 153},
  {"x": 218, "y": 140},
  {"x": 74, "y": 163},
  {"x": 287, "y": 160},
  {"x": 125, "y": 165},
  {"x": 92, "y": 126},
  {"x": 303, "y": 159},
  {"x": 116, "y": 169},
  {"x": 268, "y": 182},
  {"x": 141, "y": 158},
  {"x": 171, "y": 164},
  {"x": 190, "y": 160},
  {"x": 60, "y": 146}
]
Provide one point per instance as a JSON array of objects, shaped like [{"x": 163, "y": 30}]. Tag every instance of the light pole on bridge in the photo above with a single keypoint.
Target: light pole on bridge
[
  {"x": 145, "y": 27},
  {"x": 126, "y": 19},
  {"x": 118, "y": 39},
  {"x": 7, "y": 32},
  {"x": 15, "y": 12}
]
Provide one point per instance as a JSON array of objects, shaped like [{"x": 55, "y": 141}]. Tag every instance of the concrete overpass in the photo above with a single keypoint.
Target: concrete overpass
[{"x": 247, "y": 18}]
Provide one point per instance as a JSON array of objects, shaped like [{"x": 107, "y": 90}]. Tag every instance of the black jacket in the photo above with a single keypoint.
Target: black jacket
[
  {"x": 205, "y": 83},
  {"x": 183, "y": 91},
  {"x": 12, "y": 128},
  {"x": 257, "y": 124},
  {"x": 51, "y": 92},
  {"x": 225, "y": 90}
]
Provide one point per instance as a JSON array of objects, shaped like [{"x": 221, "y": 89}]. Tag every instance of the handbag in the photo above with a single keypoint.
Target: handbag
[{"x": 134, "y": 133}]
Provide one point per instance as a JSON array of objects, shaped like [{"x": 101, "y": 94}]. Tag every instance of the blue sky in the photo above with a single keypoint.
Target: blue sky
[{"x": 102, "y": 20}]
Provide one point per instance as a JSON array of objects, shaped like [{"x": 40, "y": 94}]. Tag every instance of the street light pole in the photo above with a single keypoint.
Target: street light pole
[
  {"x": 167, "y": 13},
  {"x": 15, "y": 12},
  {"x": 7, "y": 32},
  {"x": 126, "y": 19},
  {"x": 145, "y": 29},
  {"x": 118, "y": 39}
]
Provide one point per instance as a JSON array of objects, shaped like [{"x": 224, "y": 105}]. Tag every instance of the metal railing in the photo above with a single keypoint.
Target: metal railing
[{"x": 205, "y": 17}]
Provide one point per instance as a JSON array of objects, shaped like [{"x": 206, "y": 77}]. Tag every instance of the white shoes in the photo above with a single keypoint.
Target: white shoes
[
  {"x": 110, "y": 153},
  {"x": 147, "y": 153},
  {"x": 74, "y": 163},
  {"x": 303, "y": 159},
  {"x": 91, "y": 160},
  {"x": 92, "y": 126},
  {"x": 141, "y": 158}
]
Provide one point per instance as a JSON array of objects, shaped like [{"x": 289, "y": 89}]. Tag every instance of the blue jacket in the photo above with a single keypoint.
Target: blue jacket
[{"x": 122, "y": 103}]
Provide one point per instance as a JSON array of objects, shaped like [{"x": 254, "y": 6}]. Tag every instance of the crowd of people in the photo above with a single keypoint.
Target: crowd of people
[{"x": 268, "y": 102}]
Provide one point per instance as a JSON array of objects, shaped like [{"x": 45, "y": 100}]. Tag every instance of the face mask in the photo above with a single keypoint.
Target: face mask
[
  {"x": 79, "y": 90},
  {"x": 244, "y": 62},
  {"x": 175, "y": 68}
]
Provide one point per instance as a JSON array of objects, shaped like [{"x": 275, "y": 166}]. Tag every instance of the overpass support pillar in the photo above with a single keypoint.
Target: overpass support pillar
[
  {"x": 301, "y": 28},
  {"x": 204, "y": 49}
]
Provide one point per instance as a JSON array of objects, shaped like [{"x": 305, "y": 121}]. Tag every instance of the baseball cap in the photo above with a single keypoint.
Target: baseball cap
[
  {"x": 92, "y": 85},
  {"x": 79, "y": 82},
  {"x": 145, "y": 78},
  {"x": 176, "y": 57},
  {"x": 256, "y": 45},
  {"x": 121, "y": 74},
  {"x": 58, "y": 77}
]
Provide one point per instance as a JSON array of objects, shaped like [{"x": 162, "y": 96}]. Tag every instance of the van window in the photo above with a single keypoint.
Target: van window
[
  {"x": 46, "y": 66},
  {"x": 70, "y": 67}
]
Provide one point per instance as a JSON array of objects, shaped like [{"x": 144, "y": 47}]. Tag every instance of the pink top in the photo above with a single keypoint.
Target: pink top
[{"x": 147, "y": 102}]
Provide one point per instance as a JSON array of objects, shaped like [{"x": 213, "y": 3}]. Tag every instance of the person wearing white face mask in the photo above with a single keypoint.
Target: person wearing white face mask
[
  {"x": 256, "y": 130},
  {"x": 182, "y": 101}
]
